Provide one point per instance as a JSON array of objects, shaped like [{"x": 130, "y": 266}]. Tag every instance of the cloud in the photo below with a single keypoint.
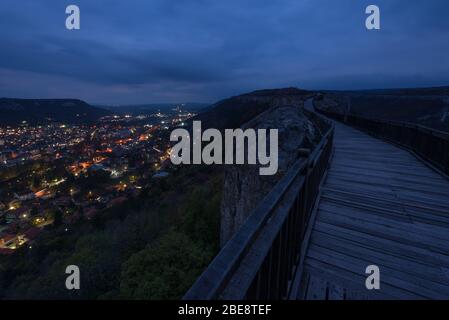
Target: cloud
[{"x": 149, "y": 50}]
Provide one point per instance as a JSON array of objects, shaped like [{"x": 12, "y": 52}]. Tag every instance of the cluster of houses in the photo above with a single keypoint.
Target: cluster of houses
[
  {"x": 22, "y": 219},
  {"x": 109, "y": 149}
]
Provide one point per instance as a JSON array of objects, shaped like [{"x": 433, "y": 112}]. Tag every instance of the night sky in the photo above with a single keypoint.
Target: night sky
[{"x": 144, "y": 51}]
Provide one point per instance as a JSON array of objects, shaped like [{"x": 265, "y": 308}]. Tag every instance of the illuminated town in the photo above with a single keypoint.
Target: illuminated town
[{"x": 60, "y": 173}]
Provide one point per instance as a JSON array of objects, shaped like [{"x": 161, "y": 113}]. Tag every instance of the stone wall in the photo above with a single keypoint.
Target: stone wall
[{"x": 244, "y": 188}]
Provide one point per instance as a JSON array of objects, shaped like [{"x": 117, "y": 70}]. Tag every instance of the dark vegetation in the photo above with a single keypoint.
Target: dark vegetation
[
  {"x": 151, "y": 247},
  {"x": 230, "y": 113},
  {"x": 425, "y": 106},
  {"x": 235, "y": 111},
  {"x": 152, "y": 108},
  {"x": 40, "y": 111}
]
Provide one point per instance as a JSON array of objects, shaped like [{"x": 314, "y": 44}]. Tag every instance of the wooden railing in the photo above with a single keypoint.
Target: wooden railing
[
  {"x": 429, "y": 144},
  {"x": 260, "y": 260}
]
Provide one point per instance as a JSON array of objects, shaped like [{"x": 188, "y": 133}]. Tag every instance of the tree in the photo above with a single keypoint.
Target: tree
[
  {"x": 36, "y": 182},
  {"x": 34, "y": 211},
  {"x": 57, "y": 218},
  {"x": 164, "y": 270}
]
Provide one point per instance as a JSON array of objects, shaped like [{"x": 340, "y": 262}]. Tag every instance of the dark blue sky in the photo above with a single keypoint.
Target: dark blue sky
[{"x": 138, "y": 51}]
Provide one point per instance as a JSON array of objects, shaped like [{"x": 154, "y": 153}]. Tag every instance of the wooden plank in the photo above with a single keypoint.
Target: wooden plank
[
  {"x": 434, "y": 203},
  {"x": 339, "y": 161},
  {"x": 355, "y": 282},
  {"x": 360, "y": 192},
  {"x": 336, "y": 207},
  {"x": 391, "y": 198},
  {"x": 317, "y": 289},
  {"x": 431, "y": 176},
  {"x": 389, "y": 276},
  {"x": 379, "y": 205},
  {"x": 400, "y": 249},
  {"x": 400, "y": 263},
  {"x": 394, "y": 234},
  {"x": 397, "y": 177},
  {"x": 434, "y": 199},
  {"x": 356, "y": 204},
  {"x": 336, "y": 292},
  {"x": 356, "y": 295},
  {"x": 389, "y": 221},
  {"x": 427, "y": 191},
  {"x": 302, "y": 291},
  {"x": 379, "y": 158},
  {"x": 374, "y": 166},
  {"x": 405, "y": 210}
]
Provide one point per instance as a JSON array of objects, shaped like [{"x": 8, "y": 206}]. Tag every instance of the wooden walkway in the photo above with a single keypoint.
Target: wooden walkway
[{"x": 379, "y": 206}]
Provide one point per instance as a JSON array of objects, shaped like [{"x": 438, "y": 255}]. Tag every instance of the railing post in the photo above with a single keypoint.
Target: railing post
[{"x": 259, "y": 261}]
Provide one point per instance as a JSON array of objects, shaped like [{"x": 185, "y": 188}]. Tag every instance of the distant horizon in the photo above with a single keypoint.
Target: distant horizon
[
  {"x": 99, "y": 104},
  {"x": 205, "y": 51}
]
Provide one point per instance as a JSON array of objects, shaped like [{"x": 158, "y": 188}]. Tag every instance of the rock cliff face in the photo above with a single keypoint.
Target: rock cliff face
[
  {"x": 235, "y": 111},
  {"x": 244, "y": 188}
]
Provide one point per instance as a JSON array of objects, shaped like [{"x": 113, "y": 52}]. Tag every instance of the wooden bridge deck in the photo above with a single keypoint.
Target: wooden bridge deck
[{"x": 379, "y": 206}]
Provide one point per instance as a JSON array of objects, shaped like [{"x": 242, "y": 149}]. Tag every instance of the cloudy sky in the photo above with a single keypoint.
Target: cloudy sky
[{"x": 142, "y": 51}]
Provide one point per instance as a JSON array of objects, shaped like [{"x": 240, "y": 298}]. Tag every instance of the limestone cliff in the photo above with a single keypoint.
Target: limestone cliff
[{"x": 244, "y": 188}]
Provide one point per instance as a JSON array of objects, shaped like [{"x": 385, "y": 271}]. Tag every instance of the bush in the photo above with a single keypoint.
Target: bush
[{"x": 164, "y": 270}]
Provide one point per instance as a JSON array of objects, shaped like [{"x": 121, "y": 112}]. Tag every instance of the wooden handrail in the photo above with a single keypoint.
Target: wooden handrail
[
  {"x": 258, "y": 262},
  {"x": 429, "y": 144}
]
